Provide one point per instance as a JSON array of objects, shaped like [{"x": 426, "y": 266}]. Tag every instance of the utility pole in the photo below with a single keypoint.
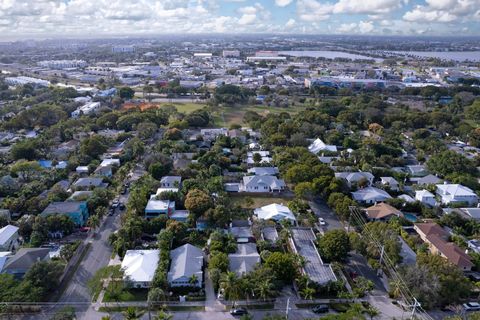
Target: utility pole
[
  {"x": 414, "y": 307},
  {"x": 382, "y": 252}
]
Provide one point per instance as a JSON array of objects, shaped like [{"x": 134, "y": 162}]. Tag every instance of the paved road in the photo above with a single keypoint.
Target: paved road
[{"x": 320, "y": 208}]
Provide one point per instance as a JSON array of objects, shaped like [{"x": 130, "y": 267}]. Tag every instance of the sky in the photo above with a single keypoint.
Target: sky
[{"x": 95, "y": 18}]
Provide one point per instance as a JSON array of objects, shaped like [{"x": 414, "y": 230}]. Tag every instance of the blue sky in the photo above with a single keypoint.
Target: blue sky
[{"x": 30, "y": 18}]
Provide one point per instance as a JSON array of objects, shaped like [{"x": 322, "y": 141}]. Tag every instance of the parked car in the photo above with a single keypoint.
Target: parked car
[
  {"x": 471, "y": 306},
  {"x": 321, "y": 308},
  {"x": 121, "y": 206},
  {"x": 322, "y": 222},
  {"x": 84, "y": 229},
  {"x": 124, "y": 190},
  {"x": 111, "y": 211},
  {"x": 238, "y": 311}
]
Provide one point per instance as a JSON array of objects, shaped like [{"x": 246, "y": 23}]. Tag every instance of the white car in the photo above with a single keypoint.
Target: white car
[
  {"x": 322, "y": 222},
  {"x": 471, "y": 306}
]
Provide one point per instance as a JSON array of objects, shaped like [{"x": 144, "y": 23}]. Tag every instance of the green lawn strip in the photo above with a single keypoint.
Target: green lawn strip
[
  {"x": 127, "y": 295},
  {"x": 168, "y": 308},
  {"x": 258, "y": 201}
]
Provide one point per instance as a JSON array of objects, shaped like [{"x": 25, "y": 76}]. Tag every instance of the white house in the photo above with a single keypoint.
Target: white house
[
  {"x": 171, "y": 182},
  {"x": 455, "y": 193},
  {"x": 8, "y": 238},
  {"x": 186, "y": 265},
  {"x": 261, "y": 184},
  {"x": 86, "y": 109},
  {"x": 425, "y": 197},
  {"x": 318, "y": 145},
  {"x": 139, "y": 267},
  {"x": 274, "y": 211},
  {"x": 370, "y": 195},
  {"x": 353, "y": 178}
]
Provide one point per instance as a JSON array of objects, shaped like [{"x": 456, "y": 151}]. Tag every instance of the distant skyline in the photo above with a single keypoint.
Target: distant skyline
[{"x": 95, "y": 18}]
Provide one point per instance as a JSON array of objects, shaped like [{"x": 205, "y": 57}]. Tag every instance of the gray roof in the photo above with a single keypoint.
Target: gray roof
[
  {"x": 316, "y": 270},
  {"x": 354, "y": 176},
  {"x": 270, "y": 234},
  {"x": 271, "y": 181},
  {"x": 7, "y": 232},
  {"x": 25, "y": 258},
  {"x": 429, "y": 179},
  {"x": 264, "y": 171},
  {"x": 171, "y": 180},
  {"x": 62, "y": 207},
  {"x": 88, "y": 182},
  {"x": 187, "y": 260},
  {"x": 245, "y": 259}
]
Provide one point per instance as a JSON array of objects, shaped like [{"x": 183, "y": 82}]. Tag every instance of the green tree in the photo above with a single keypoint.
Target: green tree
[
  {"x": 26, "y": 170},
  {"x": 218, "y": 260},
  {"x": 126, "y": 93},
  {"x": 131, "y": 314},
  {"x": 451, "y": 162},
  {"x": 230, "y": 284},
  {"x": 283, "y": 265},
  {"x": 93, "y": 146},
  {"x": 198, "y": 202},
  {"x": 334, "y": 245}
]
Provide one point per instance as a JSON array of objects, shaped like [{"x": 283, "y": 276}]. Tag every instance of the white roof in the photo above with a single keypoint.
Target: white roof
[
  {"x": 187, "y": 260},
  {"x": 140, "y": 265},
  {"x": 370, "y": 194},
  {"x": 406, "y": 197},
  {"x": 275, "y": 212},
  {"x": 161, "y": 190},
  {"x": 110, "y": 162},
  {"x": 7, "y": 232},
  {"x": 455, "y": 190},
  {"x": 154, "y": 204},
  {"x": 271, "y": 181},
  {"x": 423, "y": 194},
  {"x": 318, "y": 145}
]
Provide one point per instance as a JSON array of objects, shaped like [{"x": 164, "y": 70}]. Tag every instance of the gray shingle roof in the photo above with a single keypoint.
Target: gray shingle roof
[
  {"x": 25, "y": 258},
  {"x": 187, "y": 260}
]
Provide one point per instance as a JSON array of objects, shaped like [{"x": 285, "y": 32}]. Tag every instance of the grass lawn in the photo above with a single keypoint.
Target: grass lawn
[
  {"x": 186, "y": 107},
  {"x": 126, "y": 295},
  {"x": 258, "y": 201}
]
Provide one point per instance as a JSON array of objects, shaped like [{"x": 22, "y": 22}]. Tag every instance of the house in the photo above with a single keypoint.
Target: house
[
  {"x": 171, "y": 182},
  {"x": 302, "y": 242},
  {"x": 75, "y": 210},
  {"x": 89, "y": 183},
  {"x": 244, "y": 259},
  {"x": 264, "y": 157},
  {"x": 270, "y": 234},
  {"x": 156, "y": 207},
  {"x": 139, "y": 267},
  {"x": 390, "y": 182},
  {"x": 382, "y": 212},
  {"x": 263, "y": 171},
  {"x": 425, "y": 197},
  {"x": 105, "y": 171},
  {"x": 417, "y": 170},
  {"x": 456, "y": 193},
  {"x": 8, "y": 238},
  {"x": 23, "y": 260},
  {"x": 474, "y": 245},
  {"x": 213, "y": 133},
  {"x": 242, "y": 231},
  {"x": 318, "y": 145},
  {"x": 437, "y": 239},
  {"x": 428, "y": 179},
  {"x": 80, "y": 196},
  {"x": 472, "y": 213},
  {"x": 353, "y": 178},
  {"x": 275, "y": 212},
  {"x": 82, "y": 170},
  {"x": 187, "y": 261},
  {"x": 406, "y": 198},
  {"x": 261, "y": 184},
  {"x": 370, "y": 195}
]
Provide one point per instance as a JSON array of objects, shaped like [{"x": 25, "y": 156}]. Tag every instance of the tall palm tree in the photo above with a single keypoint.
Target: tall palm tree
[
  {"x": 93, "y": 222},
  {"x": 265, "y": 289},
  {"x": 230, "y": 285},
  {"x": 193, "y": 281}
]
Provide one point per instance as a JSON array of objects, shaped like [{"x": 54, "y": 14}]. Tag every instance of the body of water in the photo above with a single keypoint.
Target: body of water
[
  {"x": 325, "y": 54},
  {"x": 450, "y": 55}
]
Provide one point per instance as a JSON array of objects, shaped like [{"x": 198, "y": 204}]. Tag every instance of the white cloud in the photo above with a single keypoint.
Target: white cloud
[
  {"x": 366, "y": 6},
  {"x": 360, "y": 27},
  {"x": 283, "y": 3},
  {"x": 290, "y": 23},
  {"x": 444, "y": 11},
  {"x": 312, "y": 10}
]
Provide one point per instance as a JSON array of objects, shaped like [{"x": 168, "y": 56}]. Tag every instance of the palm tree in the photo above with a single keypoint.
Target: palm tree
[
  {"x": 106, "y": 318},
  {"x": 93, "y": 222},
  {"x": 131, "y": 314},
  {"x": 265, "y": 289},
  {"x": 372, "y": 312},
  {"x": 308, "y": 293},
  {"x": 396, "y": 288},
  {"x": 193, "y": 281},
  {"x": 230, "y": 285},
  {"x": 162, "y": 315}
]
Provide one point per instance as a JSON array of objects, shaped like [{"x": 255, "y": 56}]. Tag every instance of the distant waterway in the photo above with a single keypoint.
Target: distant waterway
[
  {"x": 326, "y": 54},
  {"x": 444, "y": 55}
]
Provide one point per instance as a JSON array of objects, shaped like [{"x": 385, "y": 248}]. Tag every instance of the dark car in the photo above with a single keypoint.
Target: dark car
[
  {"x": 321, "y": 308},
  {"x": 111, "y": 211},
  {"x": 121, "y": 206},
  {"x": 238, "y": 311},
  {"x": 123, "y": 191}
]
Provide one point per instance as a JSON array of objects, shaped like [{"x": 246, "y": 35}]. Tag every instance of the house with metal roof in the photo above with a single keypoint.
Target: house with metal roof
[
  {"x": 456, "y": 193},
  {"x": 23, "y": 260},
  {"x": 302, "y": 242},
  {"x": 318, "y": 145},
  {"x": 89, "y": 183},
  {"x": 75, "y": 210},
  {"x": 157, "y": 207},
  {"x": 426, "y": 197},
  {"x": 262, "y": 184},
  {"x": 263, "y": 171},
  {"x": 370, "y": 195},
  {"x": 186, "y": 267},
  {"x": 139, "y": 267},
  {"x": 171, "y": 182},
  {"x": 8, "y": 238},
  {"x": 244, "y": 259},
  {"x": 353, "y": 178},
  {"x": 275, "y": 212}
]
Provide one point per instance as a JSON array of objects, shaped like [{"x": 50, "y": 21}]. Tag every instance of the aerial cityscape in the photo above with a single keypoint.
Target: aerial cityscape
[{"x": 210, "y": 160}]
